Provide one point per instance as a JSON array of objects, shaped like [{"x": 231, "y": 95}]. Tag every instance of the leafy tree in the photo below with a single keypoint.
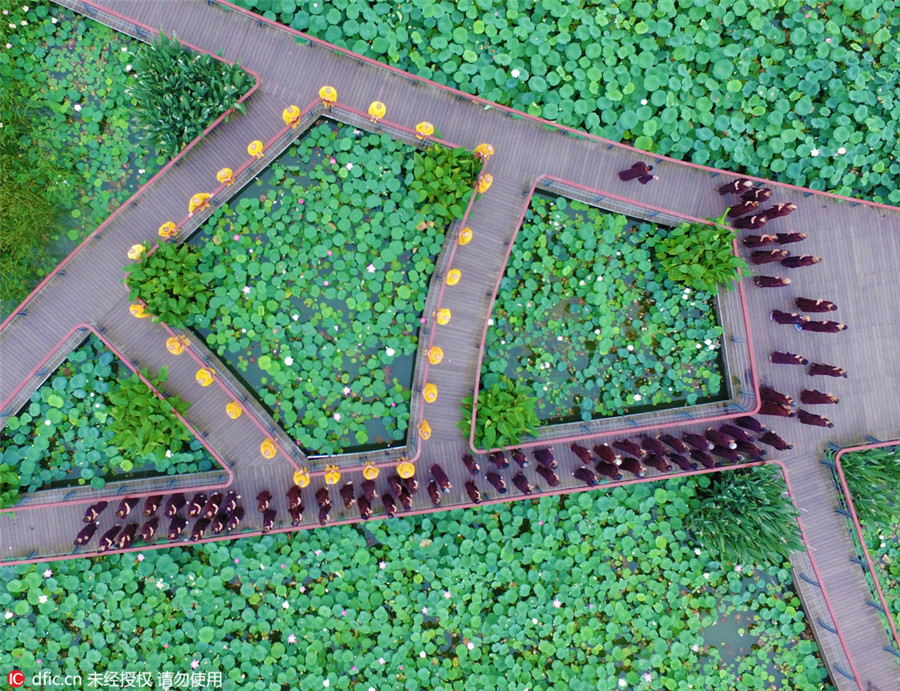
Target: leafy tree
[
  {"x": 506, "y": 411},
  {"x": 144, "y": 424},
  {"x": 443, "y": 178},
  {"x": 168, "y": 282},
  {"x": 180, "y": 92},
  {"x": 700, "y": 256},
  {"x": 744, "y": 516},
  {"x": 873, "y": 477},
  {"x": 9, "y": 486}
]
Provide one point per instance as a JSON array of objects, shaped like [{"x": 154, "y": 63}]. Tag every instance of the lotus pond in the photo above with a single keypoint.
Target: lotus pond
[
  {"x": 598, "y": 590},
  {"x": 65, "y": 435},
  {"x": 587, "y": 317},
  {"x": 807, "y": 92},
  {"x": 321, "y": 269}
]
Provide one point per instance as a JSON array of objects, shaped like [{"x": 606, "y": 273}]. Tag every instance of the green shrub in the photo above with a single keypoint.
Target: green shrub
[
  {"x": 168, "y": 282},
  {"x": 9, "y": 486},
  {"x": 141, "y": 422},
  {"x": 505, "y": 412},
  {"x": 873, "y": 477},
  {"x": 180, "y": 92},
  {"x": 701, "y": 256},
  {"x": 744, "y": 516},
  {"x": 443, "y": 180}
]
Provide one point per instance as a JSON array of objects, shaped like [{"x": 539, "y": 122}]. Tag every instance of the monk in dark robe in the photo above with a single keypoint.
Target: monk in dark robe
[
  {"x": 787, "y": 317},
  {"x": 750, "y": 423},
  {"x": 768, "y": 256},
  {"x": 646, "y": 177},
  {"x": 800, "y": 261},
  {"x": 781, "y": 358},
  {"x": 347, "y": 495},
  {"x": 521, "y": 483},
  {"x": 609, "y": 470},
  {"x": 470, "y": 463},
  {"x": 736, "y": 186},
  {"x": 758, "y": 240},
  {"x": 760, "y": 194},
  {"x": 586, "y": 476},
  {"x": 549, "y": 476},
  {"x": 519, "y": 457},
  {"x": 816, "y": 397},
  {"x": 94, "y": 510},
  {"x": 754, "y": 222},
  {"x": 152, "y": 504},
  {"x": 498, "y": 458},
  {"x": 735, "y": 433},
  {"x": 817, "y": 368},
  {"x": 775, "y": 441},
  {"x": 810, "y": 305},
  {"x": 776, "y": 409},
  {"x": 771, "y": 281},
  {"x": 107, "y": 540},
  {"x": 826, "y": 327},
  {"x": 787, "y": 238},
  {"x": 175, "y": 504},
  {"x": 176, "y": 526},
  {"x": 85, "y": 534},
  {"x": 812, "y": 419},
  {"x": 498, "y": 483},
  {"x": 438, "y": 472},
  {"x": 473, "y": 492},
  {"x": 770, "y": 394},
  {"x": 742, "y": 208},
  {"x": 779, "y": 210},
  {"x": 365, "y": 507},
  {"x": 433, "y": 492},
  {"x": 637, "y": 169}
]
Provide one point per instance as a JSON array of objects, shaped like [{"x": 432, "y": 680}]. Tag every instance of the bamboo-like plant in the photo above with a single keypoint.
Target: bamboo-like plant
[
  {"x": 180, "y": 92},
  {"x": 744, "y": 516},
  {"x": 442, "y": 179},
  {"x": 142, "y": 422},
  {"x": 505, "y": 412},
  {"x": 169, "y": 284},
  {"x": 873, "y": 477},
  {"x": 701, "y": 256}
]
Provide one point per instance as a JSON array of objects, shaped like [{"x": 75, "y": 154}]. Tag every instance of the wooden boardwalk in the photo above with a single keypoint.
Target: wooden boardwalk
[{"x": 857, "y": 273}]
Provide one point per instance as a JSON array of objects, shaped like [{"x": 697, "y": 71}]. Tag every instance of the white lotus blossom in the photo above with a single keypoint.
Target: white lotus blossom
[
  {"x": 8, "y": 615},
  {"x": 42, "y": 599},
  {"x": 470, "y": 645},
  {"x": 814, "y": 152},
  {"x": 557, "y": 604},
  {"x": 77, "y": 107},
  {"x": 389, "y": 352},
  {"x": 370, "y": 268},
  {"x": 841, "y": 151},
  {"x": 285, "y": 604},
  {"x": 289, "y": 361},
  {"x": 515, "y": 74}
]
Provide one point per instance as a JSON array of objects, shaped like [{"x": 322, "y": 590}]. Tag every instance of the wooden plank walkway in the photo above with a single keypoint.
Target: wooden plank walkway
[{"x": 857, "y": 273}]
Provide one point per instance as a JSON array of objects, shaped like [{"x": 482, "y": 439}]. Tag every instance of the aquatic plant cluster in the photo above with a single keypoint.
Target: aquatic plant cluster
[
  {"x": 587, "y": 591},
  {"x": 319, "y": 277},
  {"x": 71, "y": 150},
  {"x": 83, "y": 424},
  {"x": 586, "y": 316},
  {"x": 805, "y": 93}
]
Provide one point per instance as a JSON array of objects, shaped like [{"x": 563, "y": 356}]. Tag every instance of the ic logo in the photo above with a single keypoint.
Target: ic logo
[{"x": 15, "y": 678}]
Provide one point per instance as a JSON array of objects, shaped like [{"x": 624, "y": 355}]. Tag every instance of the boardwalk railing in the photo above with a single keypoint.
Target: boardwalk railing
[
  {"x": 863, "y": 559},
  {"x": 740, "y": 377}
]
